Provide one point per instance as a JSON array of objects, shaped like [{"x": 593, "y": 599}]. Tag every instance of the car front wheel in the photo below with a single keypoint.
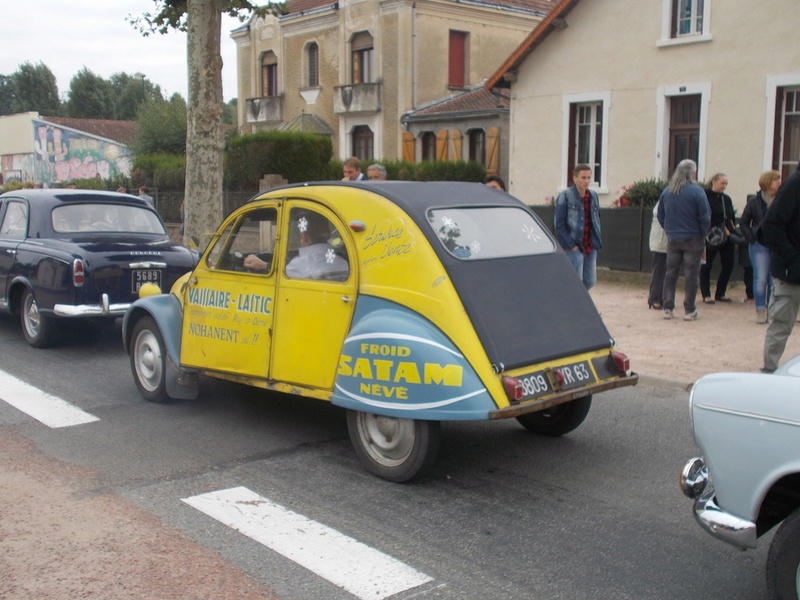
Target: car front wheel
[
  {"x": 557, "y": 420},
  {"x": 392, "y": 448},
  {"x": 149, "y": 360},
  {"x": 783, "y": 561},
  {"x": 37, "y": 329}
]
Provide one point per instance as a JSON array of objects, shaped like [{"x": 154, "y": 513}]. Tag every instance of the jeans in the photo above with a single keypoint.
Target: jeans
[
  {"x": 727, "y": 254},
  {"x": 686, "y": 253},
  {"x": 585, "y": 266},
  {"x": 783, "y": 309},
  {"x": 762, "y": 280}
]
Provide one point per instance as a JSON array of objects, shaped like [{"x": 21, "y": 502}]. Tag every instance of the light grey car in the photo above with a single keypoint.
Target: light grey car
[{"x": 748, "y": 479}]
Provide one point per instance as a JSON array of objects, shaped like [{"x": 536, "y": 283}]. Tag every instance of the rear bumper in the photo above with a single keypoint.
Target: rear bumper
[
  {"x": 104, "y": 309},
  {"x": 515, "y": 410}
]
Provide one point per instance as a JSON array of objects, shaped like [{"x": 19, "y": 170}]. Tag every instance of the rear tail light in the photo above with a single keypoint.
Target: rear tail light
[
  {"x": 623, "y": 362},
  {"x": 514, "y": 388},
  {"x": 78, "y": 274}
]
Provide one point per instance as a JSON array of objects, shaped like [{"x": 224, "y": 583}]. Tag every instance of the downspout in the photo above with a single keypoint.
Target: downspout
[{"x": 413, "y": 56}]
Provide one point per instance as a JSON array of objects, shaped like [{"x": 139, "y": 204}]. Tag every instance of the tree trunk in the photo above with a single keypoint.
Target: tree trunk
[{"x": 204, "y": 134}]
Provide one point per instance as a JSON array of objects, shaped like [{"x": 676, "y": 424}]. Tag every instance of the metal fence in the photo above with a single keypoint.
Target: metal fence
[{"x": 168, "y": 204}]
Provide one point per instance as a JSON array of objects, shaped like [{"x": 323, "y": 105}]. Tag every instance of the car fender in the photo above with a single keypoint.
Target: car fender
[
  {"x": 748, "y": 426},
  {"x": 395, "y": 362},
  {"x": 167, "y": 312}
]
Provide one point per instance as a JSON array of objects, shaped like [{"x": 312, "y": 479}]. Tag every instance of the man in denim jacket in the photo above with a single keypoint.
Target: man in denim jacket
[{"x": 577, "y": 224}]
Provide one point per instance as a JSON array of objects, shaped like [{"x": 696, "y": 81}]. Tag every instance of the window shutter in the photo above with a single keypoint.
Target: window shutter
[
  {"x": 493, "y": 151},
  {"x": 456, "y": 138},
  {"x": 409, "y": 147},
  {"x": 441, "y": 145},
  {"x": 457, "y": 63}
]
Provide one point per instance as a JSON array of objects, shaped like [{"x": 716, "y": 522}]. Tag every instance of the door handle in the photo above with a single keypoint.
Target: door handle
[{"x": 346, "y": 299}]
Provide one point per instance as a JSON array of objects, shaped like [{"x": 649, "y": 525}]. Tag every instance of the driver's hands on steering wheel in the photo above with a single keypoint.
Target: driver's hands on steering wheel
[{"x": 251, "y": 261}]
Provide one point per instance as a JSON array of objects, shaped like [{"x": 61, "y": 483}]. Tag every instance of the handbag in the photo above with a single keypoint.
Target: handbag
[{"x": 716, "y": 236}]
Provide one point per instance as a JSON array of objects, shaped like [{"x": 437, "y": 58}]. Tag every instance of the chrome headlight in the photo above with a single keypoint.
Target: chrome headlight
[{"x": 694, "y": 478}]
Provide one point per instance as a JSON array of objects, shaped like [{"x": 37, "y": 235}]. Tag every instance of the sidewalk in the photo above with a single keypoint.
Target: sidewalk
[{"x": 726, "y": 337}]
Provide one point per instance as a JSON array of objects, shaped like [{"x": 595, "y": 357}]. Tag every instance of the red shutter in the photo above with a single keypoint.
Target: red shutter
[{"x": 458, "y": 50}]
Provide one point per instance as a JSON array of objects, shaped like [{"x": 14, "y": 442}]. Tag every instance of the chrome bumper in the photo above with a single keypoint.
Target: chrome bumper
[
  {"x": 729, "y": 528},
  {"x": 104, "y": 309}
]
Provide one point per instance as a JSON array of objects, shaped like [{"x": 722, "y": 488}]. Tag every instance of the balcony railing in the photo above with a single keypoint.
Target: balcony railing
[
  {"x": 357, "y": 98},
  {"x": 268, "y": 109}
]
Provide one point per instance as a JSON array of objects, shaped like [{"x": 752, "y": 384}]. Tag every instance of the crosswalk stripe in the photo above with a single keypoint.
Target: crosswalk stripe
[
  {"x": 360, "y": 569},
  {"x": 49, "y": 410}
]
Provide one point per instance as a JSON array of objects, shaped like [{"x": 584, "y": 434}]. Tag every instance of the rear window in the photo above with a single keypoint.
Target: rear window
[
  {"x": 478, "y": 233},
  {"x": 93, "y": 218}
]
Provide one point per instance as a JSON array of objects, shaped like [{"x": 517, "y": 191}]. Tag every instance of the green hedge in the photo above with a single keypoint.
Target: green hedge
[{"x": 295, "y": 156}]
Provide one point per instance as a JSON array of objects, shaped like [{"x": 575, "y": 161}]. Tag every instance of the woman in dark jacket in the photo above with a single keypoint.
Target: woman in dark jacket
[
  {"x": 722, "y": 213},
  {"x": 752, "y": 218}
]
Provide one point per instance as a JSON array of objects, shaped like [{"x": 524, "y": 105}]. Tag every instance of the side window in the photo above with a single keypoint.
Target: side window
[
  {"x": 15, "y": 220},
  {"x": 315, "y": 247},
  {"x": 246, "y": 244}
]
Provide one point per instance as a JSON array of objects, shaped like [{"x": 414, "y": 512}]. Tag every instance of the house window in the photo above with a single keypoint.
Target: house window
[
  {"x": 312, "y": 61},
  {"x": 363, "y": 55},
  {"x": 687, "y": 17},
  {"x": 269, "y": 74},
  {"x": 787, "y": 128},
  {"x": 684, "y": 130},
  {"x": 363, "y": 142},
  {"x": 685, "y": 21},
  {"x": 429, "y": 146},
  {"x": 586, "y": 137},
  {"x": 477, "y": 145},
  {"x": 457, "y": 64}
]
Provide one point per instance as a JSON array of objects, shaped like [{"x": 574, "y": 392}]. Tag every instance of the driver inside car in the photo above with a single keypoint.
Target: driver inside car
[{"x": 316, "y": 258}]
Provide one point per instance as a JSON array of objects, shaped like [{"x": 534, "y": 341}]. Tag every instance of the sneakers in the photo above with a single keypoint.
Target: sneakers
[
  {"x": 692, "y": 316},
  {"x": 761, "y": 316},
  {"x": 667, "y": 313}
]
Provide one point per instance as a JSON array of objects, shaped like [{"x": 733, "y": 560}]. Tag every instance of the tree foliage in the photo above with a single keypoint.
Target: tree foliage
[
  {"x": 90, "y": 96},
  {"x": 161, "y": 127},
  {"x": 33, "y": 88}
]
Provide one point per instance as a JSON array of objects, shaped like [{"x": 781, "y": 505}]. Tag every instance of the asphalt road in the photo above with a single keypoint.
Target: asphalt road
[{"x": 596, "y": 514}]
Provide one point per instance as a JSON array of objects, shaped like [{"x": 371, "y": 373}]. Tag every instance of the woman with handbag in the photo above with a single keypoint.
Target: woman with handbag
[
  {"x": 718, "y": 240},
  {"x": 752, "y": 218}
]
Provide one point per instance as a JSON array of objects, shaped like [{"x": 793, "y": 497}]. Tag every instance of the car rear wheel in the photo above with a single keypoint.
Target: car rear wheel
[
  {"x": 557, "y": 420},
  {"x": 149, "y": 360},
  {"x": 392, "y": 448},
  {"x": 783, "y": 560},
  {"x": 37, "y": 329}
]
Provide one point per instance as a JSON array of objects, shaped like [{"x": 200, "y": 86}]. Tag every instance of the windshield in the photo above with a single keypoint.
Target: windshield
[
  {"x": 478, "y": 233},
  {"x": 84, "y": 218}
]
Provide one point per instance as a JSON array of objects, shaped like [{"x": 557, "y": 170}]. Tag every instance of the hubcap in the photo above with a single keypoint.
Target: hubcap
[
  {"x": 32, "y": 316},
  {"x": 148, "y": 361},
  {"x": 388, "y": 440}
]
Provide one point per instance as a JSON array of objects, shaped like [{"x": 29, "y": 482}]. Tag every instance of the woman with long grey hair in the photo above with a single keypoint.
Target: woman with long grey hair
[{"x": 684, "y": 214}]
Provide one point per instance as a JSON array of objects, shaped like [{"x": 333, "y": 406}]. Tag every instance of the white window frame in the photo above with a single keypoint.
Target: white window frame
[
  {"x": 663, "y": 95},
  {"x": 667, "y": 8},
  {"x": 604, "y": 97},
  {"x": 773, "y": 83}
]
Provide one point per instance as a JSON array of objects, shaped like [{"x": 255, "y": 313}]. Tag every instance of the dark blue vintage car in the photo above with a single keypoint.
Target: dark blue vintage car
[{"x": 80, "y": 254}]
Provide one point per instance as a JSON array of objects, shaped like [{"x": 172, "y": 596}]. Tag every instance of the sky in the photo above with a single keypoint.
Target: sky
[{"x": 67, "y": 35}]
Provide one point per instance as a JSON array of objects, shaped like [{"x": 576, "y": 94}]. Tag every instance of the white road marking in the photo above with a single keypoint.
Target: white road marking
[
  {"x": 50, "y": 410},
  {"x": 360, "y": 569}
]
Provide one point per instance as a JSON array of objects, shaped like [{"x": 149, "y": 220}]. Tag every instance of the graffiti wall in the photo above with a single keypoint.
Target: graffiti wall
[{"x": 62, "y": 154}]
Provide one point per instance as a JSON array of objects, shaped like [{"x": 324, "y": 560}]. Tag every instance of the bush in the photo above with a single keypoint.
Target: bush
[
  {"x": 164, "y": 171},
  {"x": 295, "y": 156},
  {"x": 640, "y": 194}
]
